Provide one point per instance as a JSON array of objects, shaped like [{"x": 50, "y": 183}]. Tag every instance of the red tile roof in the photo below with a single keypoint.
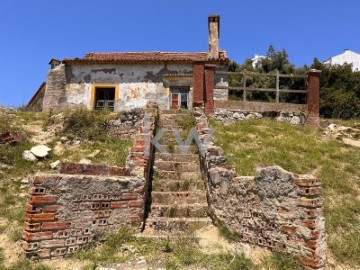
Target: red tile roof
[{"x": 142, "y": 57}]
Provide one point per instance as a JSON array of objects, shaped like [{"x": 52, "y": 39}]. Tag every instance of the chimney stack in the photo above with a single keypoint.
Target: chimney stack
[{"x": 214, "y": 34}]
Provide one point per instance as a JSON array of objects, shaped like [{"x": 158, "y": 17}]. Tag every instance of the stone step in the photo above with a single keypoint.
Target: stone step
[
  {"x": 178, "y": 185},
  {"x": 174, "y": 225},
  {"x": 177, "y": 166},
  {"x": 176, "y": 157},
  {"x": 178, "y": 197},
  {"x": 177, "y": 175},
  {"x": 177, "y": 149},
  {"x": 172, "y": 112},
  {"x": 179, "y": 210}
]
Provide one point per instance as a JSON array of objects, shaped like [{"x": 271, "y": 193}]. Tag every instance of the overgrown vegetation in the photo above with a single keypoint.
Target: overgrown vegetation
[
  {"x": 339, "y": 92},
  {"x": 88, "y": 125},
  {"x": 303, "y": 150}
]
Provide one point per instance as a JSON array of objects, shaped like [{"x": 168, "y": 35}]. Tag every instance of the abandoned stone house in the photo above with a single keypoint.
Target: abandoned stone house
[{"x": 121, "y": 81}]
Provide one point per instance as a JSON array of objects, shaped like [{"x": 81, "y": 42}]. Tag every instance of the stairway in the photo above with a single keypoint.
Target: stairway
[{"x": 178, "y": 197}]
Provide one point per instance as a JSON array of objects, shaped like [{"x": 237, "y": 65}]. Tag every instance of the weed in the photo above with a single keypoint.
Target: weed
[
  {"x": 282, "y": 261},
  {"x": 166, "y": 245}
]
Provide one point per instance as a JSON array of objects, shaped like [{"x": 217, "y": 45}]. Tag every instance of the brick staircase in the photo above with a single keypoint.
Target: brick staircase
[{"x": 178, "y": 198}]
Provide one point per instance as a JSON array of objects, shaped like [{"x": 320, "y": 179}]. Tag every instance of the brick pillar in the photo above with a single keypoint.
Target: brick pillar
[
  {"x": 313, "y": 98},
  {"x": 198, "y": 92},
  {"x": 209, "y": 88}
]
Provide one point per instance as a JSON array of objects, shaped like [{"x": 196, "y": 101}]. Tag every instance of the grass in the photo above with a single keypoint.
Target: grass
[
  {"x": 303, "y": 150},
  {"x": 88, "y": 125}
]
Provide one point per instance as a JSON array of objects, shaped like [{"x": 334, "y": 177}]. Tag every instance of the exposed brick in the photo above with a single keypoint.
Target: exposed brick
[
  {"x": 27, "y": 236},
  {"x": 41, "y": 254},
  {"x": 307, "y": 182},
  {"x": 134, "y": 219},
  {"x": 288, "y": 229},
  {"x": 115, "y": 205},
  {"x": 30, "y": 246},
  {"x": 310, "y": 191},
  {"x": 42, "y": 199},
  {"x": 32, "y": 209},
  {"x": 51, "y": 208},
  {"x": 311, "y": 203},
  {"x": 39, "y": 217},
  {"x": 310, "y": 224},
  {"x": 311, "y": 244},
  {"x": 38, "y": 180},
  {"x": 135, "y": 203},
  {"x": 313, "y": 263},
  {"x": 32, "y": 227},
  {"x": 129, "y": 196},
  {"x": 53, "y": 243},
  {"x": 55, "y": 225},
  {"x": 38, "y": 191}
]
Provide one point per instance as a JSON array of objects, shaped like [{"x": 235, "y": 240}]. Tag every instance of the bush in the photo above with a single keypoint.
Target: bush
[{"x": 87, "y": 125}]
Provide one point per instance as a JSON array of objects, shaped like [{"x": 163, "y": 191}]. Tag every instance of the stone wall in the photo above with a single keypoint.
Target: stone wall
[
  {"x": 55, "y": 93},
  {"x": 127, "y": 125},
  {"x": 275, "y": 209},
  {"x": 228, "y": 116},
  {"x": 66, "y": 211}
]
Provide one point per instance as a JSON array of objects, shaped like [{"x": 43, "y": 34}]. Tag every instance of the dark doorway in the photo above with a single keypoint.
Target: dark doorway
[{"x": 105, "y": 99}]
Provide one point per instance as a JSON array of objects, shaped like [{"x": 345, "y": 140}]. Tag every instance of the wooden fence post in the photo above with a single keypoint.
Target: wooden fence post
[
  {"x": 244, "y": 85},
  {"x": 277, "y": 86}
]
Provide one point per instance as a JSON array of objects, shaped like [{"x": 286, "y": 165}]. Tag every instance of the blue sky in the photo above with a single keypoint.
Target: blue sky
[{"x": 33, "y": 32}]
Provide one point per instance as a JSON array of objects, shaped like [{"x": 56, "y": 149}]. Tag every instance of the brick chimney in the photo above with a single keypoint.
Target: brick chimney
[{"x": 214, "y": 34}]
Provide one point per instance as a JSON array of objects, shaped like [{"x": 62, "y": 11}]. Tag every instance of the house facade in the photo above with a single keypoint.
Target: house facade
[
  {"x": 122, "y": 81},
  {"x": 348, "y": 57}
]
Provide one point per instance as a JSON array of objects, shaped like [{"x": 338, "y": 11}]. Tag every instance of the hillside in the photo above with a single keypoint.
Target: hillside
[{"x": 81, "y": 137}]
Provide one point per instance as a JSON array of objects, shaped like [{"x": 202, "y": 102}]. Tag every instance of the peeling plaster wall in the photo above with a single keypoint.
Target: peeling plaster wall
[{"x": 137, "y": 83}]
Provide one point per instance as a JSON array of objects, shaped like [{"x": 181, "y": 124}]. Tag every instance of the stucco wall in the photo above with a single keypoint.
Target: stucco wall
[{"x": 137, "y": 83}]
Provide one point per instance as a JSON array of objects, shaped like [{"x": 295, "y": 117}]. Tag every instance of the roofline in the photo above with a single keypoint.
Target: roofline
[
  {"x": 78, "y": 61},
  {"x": 35, "y": 96}
]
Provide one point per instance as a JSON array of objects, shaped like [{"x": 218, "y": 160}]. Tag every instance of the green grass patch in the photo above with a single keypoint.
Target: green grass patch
[{"x": 281, "y": 261}]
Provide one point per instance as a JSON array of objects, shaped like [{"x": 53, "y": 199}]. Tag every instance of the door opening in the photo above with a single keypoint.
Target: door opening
[
  {"x": 179, "y": 98},
  {"x": 105, "y": 99}
]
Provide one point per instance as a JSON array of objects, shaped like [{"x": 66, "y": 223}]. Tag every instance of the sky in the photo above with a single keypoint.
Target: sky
[{"x": 33, "y": 32}]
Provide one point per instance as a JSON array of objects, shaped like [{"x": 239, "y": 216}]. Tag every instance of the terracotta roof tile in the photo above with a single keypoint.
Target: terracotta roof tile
[{"x": 141, "y": 57}]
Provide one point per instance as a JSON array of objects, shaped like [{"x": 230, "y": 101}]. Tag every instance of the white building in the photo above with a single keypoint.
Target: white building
[
  {"x": 257, "y": 58},
  {"x": 348, "y": 57}
]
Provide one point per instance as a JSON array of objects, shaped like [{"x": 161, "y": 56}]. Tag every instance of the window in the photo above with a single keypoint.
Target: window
[{"x": 105, "y": 99}]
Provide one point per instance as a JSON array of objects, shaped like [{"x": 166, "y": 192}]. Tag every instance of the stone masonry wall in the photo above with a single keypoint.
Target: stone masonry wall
[
  {"x": 55, "y": 97},
  {"x": 127, "y": 125},
  {"x": 65, "y": 212},
  {"x": 68, "y": 210},
  {"x": 227, "y": 116},
  {"x": 275, "y": 209}
]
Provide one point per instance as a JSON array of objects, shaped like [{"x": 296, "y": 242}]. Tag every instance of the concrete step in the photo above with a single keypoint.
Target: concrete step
[
  {"x": 179, "y": 210},
  {"x": 176, "y": 157},
  {"x": 178, "y": 185},
  {"x": 177, "y": 166},
  {"x": 177, "y": 175},
  {"x": 174, "y": 225},
  {"x": 178, "y": 197}
]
